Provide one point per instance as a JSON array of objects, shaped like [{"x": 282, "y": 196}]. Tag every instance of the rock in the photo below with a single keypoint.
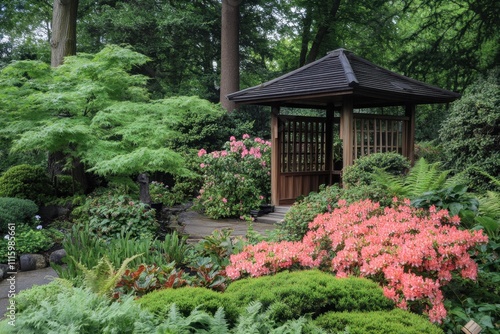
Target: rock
[
  {"x": 29, "y": 262},
  {"x": 57, "y": 256},
  {"x": 5, "y": 269}
]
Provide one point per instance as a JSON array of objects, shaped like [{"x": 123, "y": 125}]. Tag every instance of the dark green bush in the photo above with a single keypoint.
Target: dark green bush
[
  {"x": 16, "y": 211},
  {"x": 187, "y": 299},
  {"x": 361, "y": 172},
  {"x": 381, "y": 322},
  {"x": 297, "y": 219},
  {"x": 293, "y": 294},
  {"x": 27, "y": 182}
]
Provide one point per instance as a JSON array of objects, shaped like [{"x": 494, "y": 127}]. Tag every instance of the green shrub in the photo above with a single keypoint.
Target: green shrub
[
  {"x": 109, "y": 215},
  {"x": 77, "y": 310},
  {"x": 66, "y": 186},
  {"x": 381, "y": 322},
  {"x": 28, "y": 182},
  {"x": 294, "y": 225},
  {"x": 16, "y": 211},
  {"x": 361, "y": 172},
  {"x": 187, "y": 299},
  {"x": 429, "y": 150},
  {"x": 293, "y": 294}
]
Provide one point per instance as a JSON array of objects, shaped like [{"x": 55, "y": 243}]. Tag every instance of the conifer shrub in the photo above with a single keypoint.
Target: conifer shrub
[
  {"x": 293, "y": 294},
  {"x": 361, "y": 172},
  {"x": 186, "y": 300},
  {"x": 16, "y": 211},
  {"x": 379, "y": 322},
  {"x": 27, "y": 182}
]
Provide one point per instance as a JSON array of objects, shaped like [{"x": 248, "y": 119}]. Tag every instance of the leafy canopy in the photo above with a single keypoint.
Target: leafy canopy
[{"x": 93, "y": 109}]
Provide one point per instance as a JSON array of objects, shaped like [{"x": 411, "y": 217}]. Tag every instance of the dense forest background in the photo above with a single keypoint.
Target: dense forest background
[{"x": 444, "y": 43}]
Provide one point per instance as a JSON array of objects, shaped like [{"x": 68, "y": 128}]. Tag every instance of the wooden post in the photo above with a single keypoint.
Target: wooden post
[
  {"x": 330, "y": 115},
  {"x": 346, "y": 123},
  {"x": 275, "y": 156},
  {"x": 410, "y": 133}
]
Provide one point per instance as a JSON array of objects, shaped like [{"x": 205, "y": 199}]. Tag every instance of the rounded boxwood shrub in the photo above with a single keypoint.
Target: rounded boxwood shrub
[
  {"x": 293, "y": 294},
  {"x": 16, "y": 211},
  {"x": 360, "y": 172},
  {"x": 395, "y": 321},
  {"x": 28, "y": 182},
  {"x": 186, "y": 300}
]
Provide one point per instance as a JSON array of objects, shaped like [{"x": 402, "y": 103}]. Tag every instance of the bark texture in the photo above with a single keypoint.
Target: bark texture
[
  {"x": 230, "y": 58},
  {"x": 63, "y": 42}
]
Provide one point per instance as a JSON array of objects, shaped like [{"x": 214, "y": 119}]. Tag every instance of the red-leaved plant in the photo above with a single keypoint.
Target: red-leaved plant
[{"x": 410, "y": 252}]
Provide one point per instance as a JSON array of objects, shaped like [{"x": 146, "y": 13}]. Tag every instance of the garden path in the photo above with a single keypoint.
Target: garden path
[{"x": 194, "y": 224}]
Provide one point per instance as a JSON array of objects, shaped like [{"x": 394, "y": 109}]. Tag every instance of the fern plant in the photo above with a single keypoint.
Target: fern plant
[
  {"x": 103, "y": 278},
  {"x": 196, "y": 322},
  {"x": 422, "y": 178}
]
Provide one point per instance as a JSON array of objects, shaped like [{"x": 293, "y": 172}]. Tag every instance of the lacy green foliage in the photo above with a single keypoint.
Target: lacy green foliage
[
  {"x": 78, "y": 310},
  {"x": 88, "y": 249},
  {"x": 103, "y": 277},
  {"x": 16, "y": 211},
  {"x": 389, "y": 322},
  {"x": 293, "y": 294},
  {"x": 422, "y": 178},
  {"x": 33, "y": 296},
  {"x": 294, "y": 225},
  {"x": 236, "y": 179},
  {"x": 470, "y": 135},
  {"x": 187, "y": 299},
  {"x": 363, "y": 168},
  {"x": 27, "y": 182},
  {"x": 109, "y": 215}
]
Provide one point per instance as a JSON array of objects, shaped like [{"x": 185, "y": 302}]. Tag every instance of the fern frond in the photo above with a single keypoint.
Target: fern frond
[
  {"x": 393, "y": 183},
  {"x": 424, "y": 177},
  {"x": 489, "y": 205},
  {"x": 219, "y": 325}
]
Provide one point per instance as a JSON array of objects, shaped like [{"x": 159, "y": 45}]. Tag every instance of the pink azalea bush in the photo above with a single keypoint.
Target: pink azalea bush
[
  {"x": 412, "y": 253},
  {"x": 236, "y": 179}
]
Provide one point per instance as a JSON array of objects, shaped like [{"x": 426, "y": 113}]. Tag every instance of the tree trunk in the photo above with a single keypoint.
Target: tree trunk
[
  {"x": 306, "y": 35},
  {"x": 323, "y": 30},
  {"x": 63, "y": 42},
  {"x": 144, "y": 195},
  {"x": 230, "y": 60}
]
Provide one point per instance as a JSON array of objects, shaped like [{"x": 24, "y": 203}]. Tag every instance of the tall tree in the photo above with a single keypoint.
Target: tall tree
[
  {"x": 230, "y": 59},
  {"x": 63, "y": 41}
]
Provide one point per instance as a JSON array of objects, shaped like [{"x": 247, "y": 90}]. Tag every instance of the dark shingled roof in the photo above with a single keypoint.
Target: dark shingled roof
[{"x": 341, "y": 73}]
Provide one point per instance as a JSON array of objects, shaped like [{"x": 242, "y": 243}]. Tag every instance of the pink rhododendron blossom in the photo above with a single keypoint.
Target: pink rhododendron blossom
[
  {"x": 246, "y": 136},
  {"x": 411, "y": 252},
  {"x": 224, "y": 200},
  {"x": 202, "y": 152}
]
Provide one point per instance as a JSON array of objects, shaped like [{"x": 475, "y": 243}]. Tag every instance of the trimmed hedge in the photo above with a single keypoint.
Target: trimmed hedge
[
  {"x": 27, "y": 182},
  {"x": 187, "y": 299},
  {"x": 16, "y": 211},
  {"x": 380, "y": 322},
  {"x": 294, "y": 294}
]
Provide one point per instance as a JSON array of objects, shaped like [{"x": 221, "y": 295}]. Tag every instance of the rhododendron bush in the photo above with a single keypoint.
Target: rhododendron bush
[
  {"x": 236, "y": 179},
  {"x": 411, "y": 252}
]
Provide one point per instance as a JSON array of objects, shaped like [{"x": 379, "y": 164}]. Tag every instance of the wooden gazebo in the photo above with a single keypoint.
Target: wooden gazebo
[{"x": 339, "y": 83}]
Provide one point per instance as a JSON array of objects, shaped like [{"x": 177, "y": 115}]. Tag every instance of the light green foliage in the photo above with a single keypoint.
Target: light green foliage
[
  {"x": 28, "y": 241},
  {"x": 77, "y": 310},
  {"x": 361, "y": 172},
  {"x": 28, "y": 182},
  {"x": 16, "y": 211},
  {"x": 389, "y": 322},
  {"x": 102, "y": 278},
  {"x": 33, "y": 296},
  {"x": 87, "y": 249},
  {"x": 293, "y": 294},
  {"x": 470, "y": 136}
]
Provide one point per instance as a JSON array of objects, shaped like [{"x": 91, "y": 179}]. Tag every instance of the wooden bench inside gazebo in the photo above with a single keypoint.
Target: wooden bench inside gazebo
[{"x": 345, "y": 86}]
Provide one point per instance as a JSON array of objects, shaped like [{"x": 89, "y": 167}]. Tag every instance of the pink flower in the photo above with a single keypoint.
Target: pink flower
[
  {"x": 202, "y": 165},
  {"x": 224, "y": 200},
  {"x": 246, "y": 136},
  {"x": 232, "y": 138},
  {"x": 202, "y": 152}
]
